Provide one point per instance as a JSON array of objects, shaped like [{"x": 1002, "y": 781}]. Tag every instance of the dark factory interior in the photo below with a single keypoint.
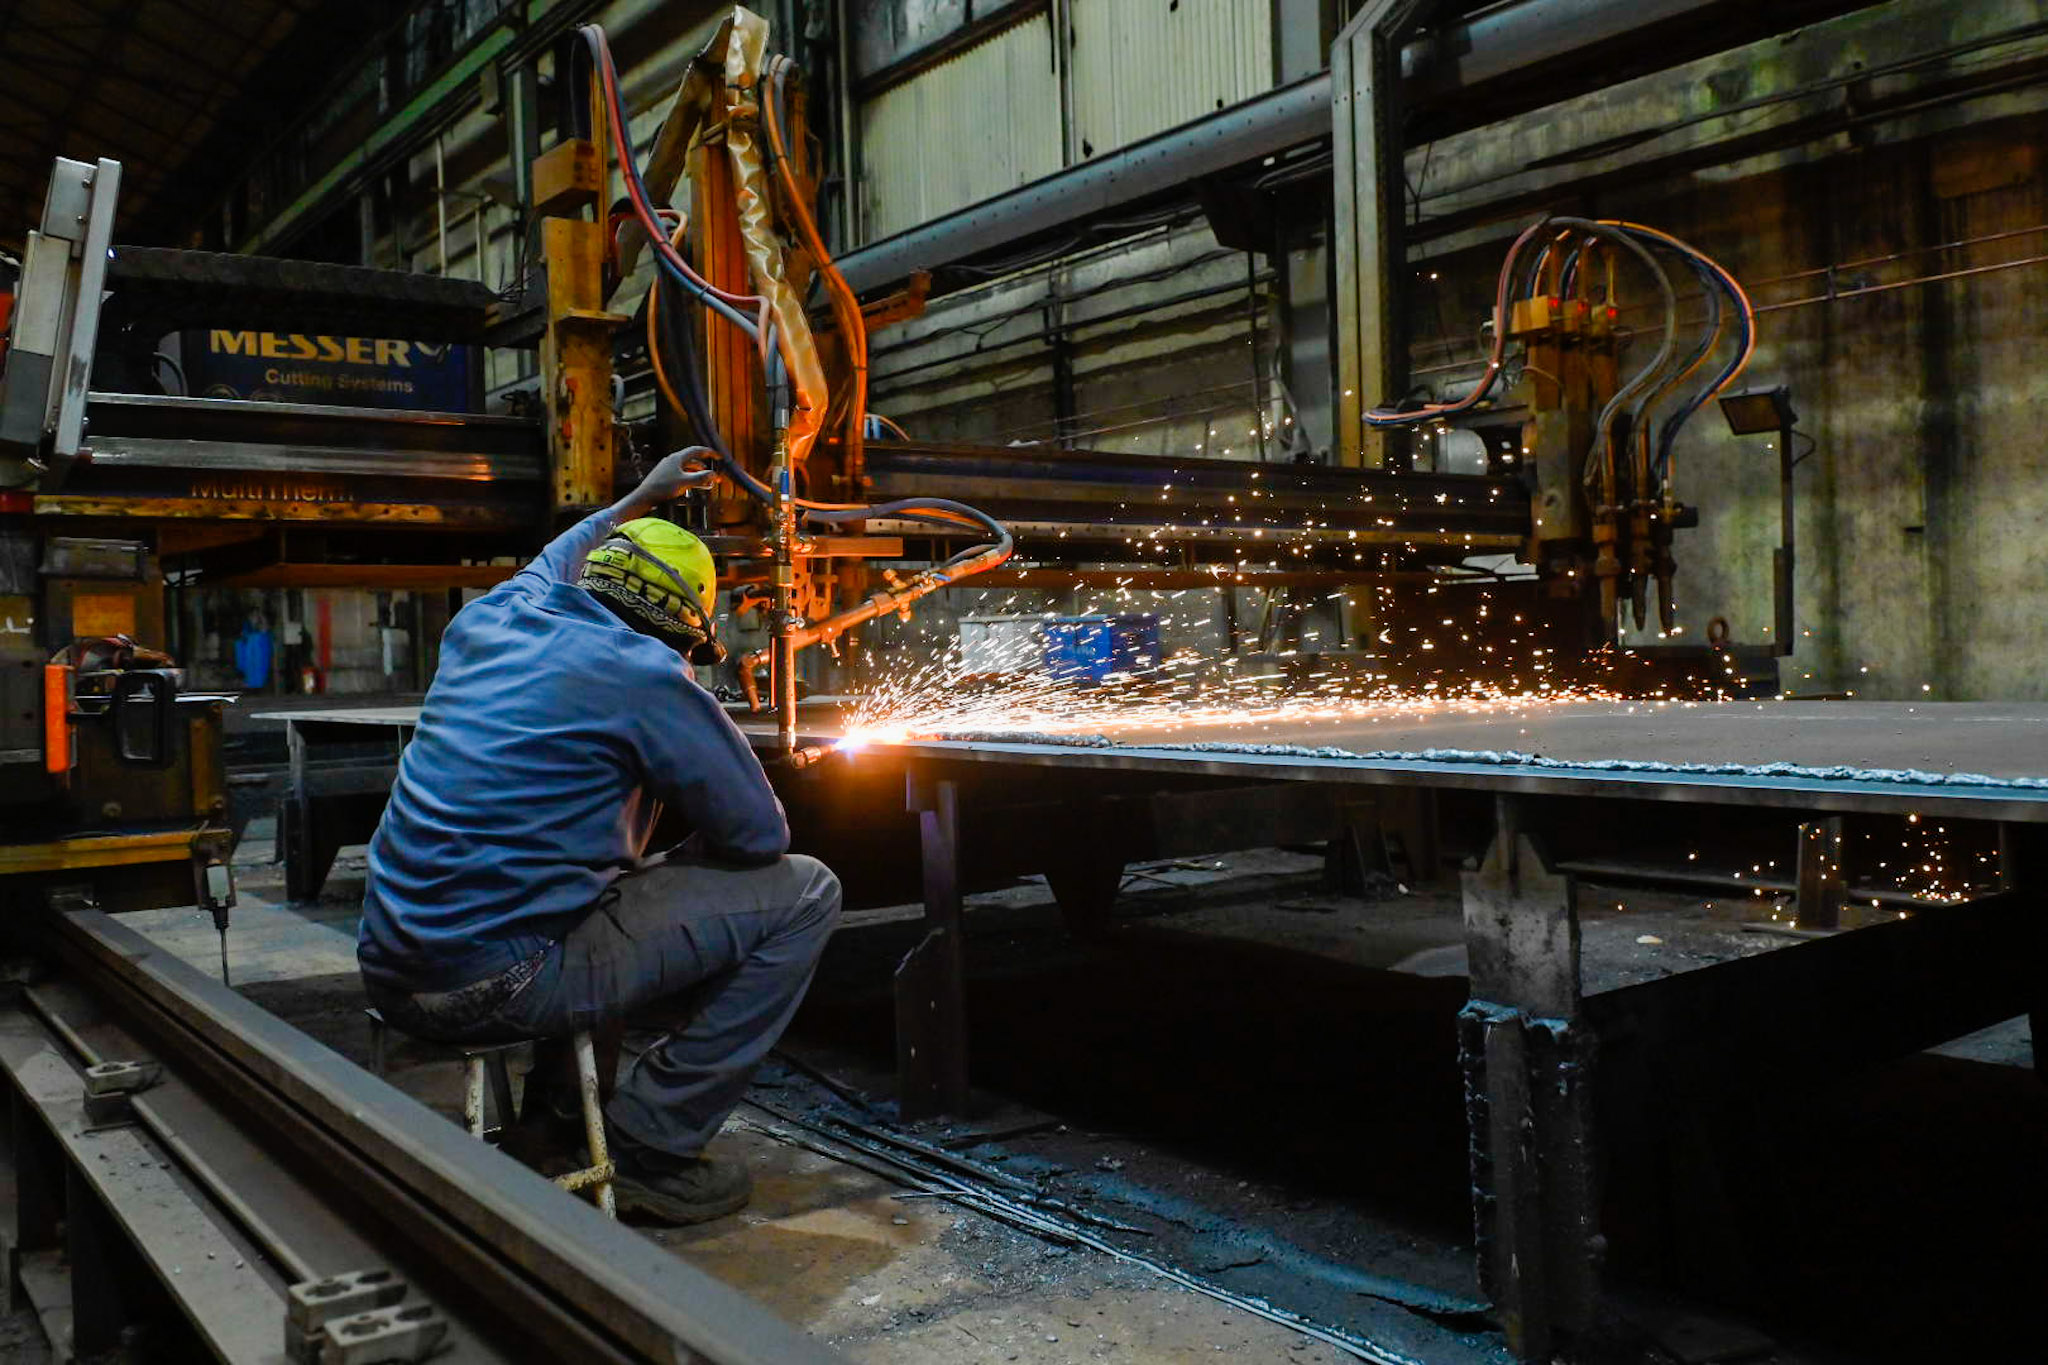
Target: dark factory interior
[{"x": 1032, "y": 681}]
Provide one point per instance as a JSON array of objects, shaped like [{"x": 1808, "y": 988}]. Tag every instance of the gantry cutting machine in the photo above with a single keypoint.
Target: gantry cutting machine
[
  {"x": 822, "y": 525},
  {"x": 1577, "y": 480},
  {"x": 779, "y": 414},
  {"x": 111, "y": 785}
]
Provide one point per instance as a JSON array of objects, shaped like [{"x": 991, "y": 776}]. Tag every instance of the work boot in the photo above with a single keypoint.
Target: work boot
[{"x": 677, "y": 1190}]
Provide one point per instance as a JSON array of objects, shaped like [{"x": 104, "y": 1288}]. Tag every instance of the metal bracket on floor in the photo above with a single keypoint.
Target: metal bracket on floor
[
  {"x": 1528, "y": 1058},
  {"x": 314, "y": 1306},
  {"x": 110, "y": 1085}
]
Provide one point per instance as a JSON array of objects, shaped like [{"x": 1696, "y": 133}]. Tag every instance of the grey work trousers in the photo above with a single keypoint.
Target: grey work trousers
[{"x": 716, "y": 956}]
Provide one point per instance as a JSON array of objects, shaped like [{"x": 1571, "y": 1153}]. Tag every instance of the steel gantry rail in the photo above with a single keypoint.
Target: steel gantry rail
[{"x": 259, "y": 1159}]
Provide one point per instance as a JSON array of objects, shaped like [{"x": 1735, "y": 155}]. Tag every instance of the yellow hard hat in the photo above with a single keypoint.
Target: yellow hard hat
[{"x": 659, "y": 578}]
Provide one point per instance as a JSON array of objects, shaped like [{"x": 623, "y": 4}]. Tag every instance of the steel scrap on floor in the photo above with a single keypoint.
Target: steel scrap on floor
[{"x": 259, "y": 1158}]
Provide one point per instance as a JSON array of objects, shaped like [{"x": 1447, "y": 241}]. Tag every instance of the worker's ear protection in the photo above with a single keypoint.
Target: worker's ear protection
[{"x": 704, "y": 650}]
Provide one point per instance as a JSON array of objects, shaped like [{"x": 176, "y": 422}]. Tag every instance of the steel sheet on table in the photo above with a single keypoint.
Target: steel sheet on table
[
  {"x": 1869, "y": 756},
  {"x": 1893, "y": 757}
]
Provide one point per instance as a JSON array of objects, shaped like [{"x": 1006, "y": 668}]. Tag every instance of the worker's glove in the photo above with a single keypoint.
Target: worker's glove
[{"x": 675, "y": 475}]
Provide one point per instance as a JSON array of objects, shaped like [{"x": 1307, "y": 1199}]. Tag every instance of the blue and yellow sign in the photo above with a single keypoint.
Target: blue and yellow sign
[{"x": 298, "y": 367}]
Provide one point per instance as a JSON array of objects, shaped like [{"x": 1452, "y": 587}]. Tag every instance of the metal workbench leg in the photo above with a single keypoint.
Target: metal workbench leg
[
  {"x": 473, "y": 1094},
  {"x": 931, "y": 1011},
  {"x": 500, "y": 1077},
  {"x": 309, "y": 848},
  {"x": 2023, "y": 866},
  {"x": 1528, "y": 1055},
  {"x": 589, "y": 1091},
  {"x": 1823, "y": 885}
]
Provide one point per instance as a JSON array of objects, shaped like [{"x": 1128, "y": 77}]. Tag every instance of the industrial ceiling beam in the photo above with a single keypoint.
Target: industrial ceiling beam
[
  {"x": 107, "y": 55},
  {"x": 195, "y": 113},
  {"x": 524, "y": 29},
  {"x": 89, "y": 66}
]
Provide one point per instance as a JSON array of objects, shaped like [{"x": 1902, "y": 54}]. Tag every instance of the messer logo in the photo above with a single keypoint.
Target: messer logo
[{"x": 334, "y": 350}]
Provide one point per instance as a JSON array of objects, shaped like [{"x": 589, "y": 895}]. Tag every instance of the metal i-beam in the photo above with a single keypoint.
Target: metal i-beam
[{"x": 1366, "y": 148}]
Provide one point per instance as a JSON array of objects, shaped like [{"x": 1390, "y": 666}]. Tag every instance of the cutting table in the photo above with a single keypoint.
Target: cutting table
[{"x": 1550, "y": 1068}]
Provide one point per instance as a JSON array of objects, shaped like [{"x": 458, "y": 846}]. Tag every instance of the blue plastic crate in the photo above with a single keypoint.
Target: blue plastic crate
[{"x": 1089, "y": 649}]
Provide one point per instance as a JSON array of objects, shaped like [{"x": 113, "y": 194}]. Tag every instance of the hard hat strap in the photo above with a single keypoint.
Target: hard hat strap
[{"x": 688, "y": 594}]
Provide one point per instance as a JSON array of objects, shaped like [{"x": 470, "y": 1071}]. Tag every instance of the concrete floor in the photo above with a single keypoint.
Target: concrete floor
[
  {"x": 1320, "y": 1170},
  {"x": 825, "y": 1244}
]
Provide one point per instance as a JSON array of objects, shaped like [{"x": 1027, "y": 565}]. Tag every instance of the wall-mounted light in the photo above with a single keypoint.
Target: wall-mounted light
[{"x": 1759, "y": 412}]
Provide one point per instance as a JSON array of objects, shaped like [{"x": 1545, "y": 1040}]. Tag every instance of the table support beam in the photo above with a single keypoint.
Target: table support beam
[
  {"x": 1823, "y": 885},
  {"x": 1528, "y": 1056},
  {"x": 2023, "y": 866},
  {"x": 931, "y": 981}
]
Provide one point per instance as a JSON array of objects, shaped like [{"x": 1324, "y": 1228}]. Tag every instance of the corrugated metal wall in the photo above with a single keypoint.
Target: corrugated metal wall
[
  {"x": 1143, "y": 66},
  {"x": 984, "y": 121},
  {"x": 1155, "y": 337},
  {"x": 989, "y": 119}
]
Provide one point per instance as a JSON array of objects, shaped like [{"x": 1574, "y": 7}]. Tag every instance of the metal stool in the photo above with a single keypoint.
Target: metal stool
[{"x": 487, "y": 1060}]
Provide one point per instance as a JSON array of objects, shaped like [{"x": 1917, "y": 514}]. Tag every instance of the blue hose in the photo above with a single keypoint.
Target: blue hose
[{"x": 593, "y": 38}]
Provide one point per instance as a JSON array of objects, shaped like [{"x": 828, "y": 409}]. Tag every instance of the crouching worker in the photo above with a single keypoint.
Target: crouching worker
[{"x": 508, "y": 894}]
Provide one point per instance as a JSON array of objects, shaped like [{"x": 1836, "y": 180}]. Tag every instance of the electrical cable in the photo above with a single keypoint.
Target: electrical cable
[
  {"x": 1639, "y": 431},
  {"x": 845, "y": 305},
  {"x": 690, "y": 401},
  {"x": 1745, "y": 334},
  {"x": 1718, "y": 283},
  {"x": 159, "y": 358},
  {"x": 683, "y": 394},
  {"x": 686, "y": 393},
  {"x": 1710, "y": 339},
  {"x": 680, "y": 386},
  {"x": 1383, "y": 418},
  {"x": 1745, "y": 313},
  {"x": 726, "y": 304}
]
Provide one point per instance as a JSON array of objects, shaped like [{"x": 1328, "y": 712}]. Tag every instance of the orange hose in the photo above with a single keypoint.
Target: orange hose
[
  {"x": 1748, "y": 308},
  {"x": 845, "y": 306},
  {"x": 658, "y": 360}
]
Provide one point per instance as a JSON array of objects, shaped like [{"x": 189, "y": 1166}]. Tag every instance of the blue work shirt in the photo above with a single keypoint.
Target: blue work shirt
[{"x": 549, "y": 740}]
